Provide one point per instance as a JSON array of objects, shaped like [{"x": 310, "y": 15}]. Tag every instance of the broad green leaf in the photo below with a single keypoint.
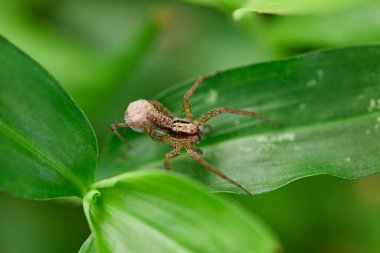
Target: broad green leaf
[
  {"x": 328, "y": 104},
  {"x": 89, "y": 246},
  {"x": 159, "y": 212},
  {"x": 47, "y": 146}
]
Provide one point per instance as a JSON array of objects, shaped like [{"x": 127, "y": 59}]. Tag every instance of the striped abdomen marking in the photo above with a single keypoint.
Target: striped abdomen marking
[
  {"x": 185, "y": 130},
  {"x": 185, "y": 127}
]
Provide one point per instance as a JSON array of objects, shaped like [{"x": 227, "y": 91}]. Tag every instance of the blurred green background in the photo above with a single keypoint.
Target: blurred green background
[{"x": 109, "y": 53}]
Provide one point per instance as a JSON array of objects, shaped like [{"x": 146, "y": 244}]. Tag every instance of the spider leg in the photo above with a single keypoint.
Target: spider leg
[
  {"x": 185, "y": 101},
  {"x": 114, "y": 128},
  {"x": 153, "y": 134},
  {"x": 196, "y": 149},
  {"x": 215, "y": 112},
  {"x": 175, "y": 152},
  {"x": 160, "y": 107},
  {"x": 147, "y": 128},
  {"x": 211, "y": 168}
]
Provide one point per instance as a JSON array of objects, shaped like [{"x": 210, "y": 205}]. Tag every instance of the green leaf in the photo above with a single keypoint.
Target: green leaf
[
  {"x": 329, "y": 106},
  {"x": 159, "y": 212},
  {"x": 89, "y": 246},
  {"x": 239, "y": 8},
  {"x": 226, "y": 6},
  {"x": 295, "y": 6},
  {"x": 47, "y": 146}
]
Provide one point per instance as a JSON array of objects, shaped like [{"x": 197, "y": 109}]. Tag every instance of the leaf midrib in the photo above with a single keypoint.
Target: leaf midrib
[{"x": 13, "y": 135}]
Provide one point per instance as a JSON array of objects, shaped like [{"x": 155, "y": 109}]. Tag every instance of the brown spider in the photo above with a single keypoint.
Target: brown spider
[{"x": 149, "y": 116}]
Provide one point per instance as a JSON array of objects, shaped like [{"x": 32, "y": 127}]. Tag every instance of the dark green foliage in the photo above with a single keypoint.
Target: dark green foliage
[{"x": 47, "y": 146}]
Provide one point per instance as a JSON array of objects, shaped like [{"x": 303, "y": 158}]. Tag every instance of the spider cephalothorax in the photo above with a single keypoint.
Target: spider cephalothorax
[{"x": 152, "y": 116}]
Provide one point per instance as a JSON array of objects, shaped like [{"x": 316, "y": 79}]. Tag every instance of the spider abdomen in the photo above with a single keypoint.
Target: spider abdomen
[
  {"x": 136, "y": 114},
  {"x": 159, "y": 120}
]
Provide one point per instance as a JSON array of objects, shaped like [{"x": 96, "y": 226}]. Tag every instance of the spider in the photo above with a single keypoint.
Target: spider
[{"x": 151, "y": 116}]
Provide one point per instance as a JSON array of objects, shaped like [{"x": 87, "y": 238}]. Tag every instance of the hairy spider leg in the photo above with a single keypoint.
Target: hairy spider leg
[
  {"x": 215, "y": 112},
  {"x": 153, "y": 134},
  {"x": 196, "y": 149},
  {"x": 213, "y": 169},
  {"x": 175, "y": 152},
  {"x": 114, "y": 128},
  {"x": 161, "y": 108},
  {"x": 185, "y": 101},
  {"x": 147, "y": 128}
]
